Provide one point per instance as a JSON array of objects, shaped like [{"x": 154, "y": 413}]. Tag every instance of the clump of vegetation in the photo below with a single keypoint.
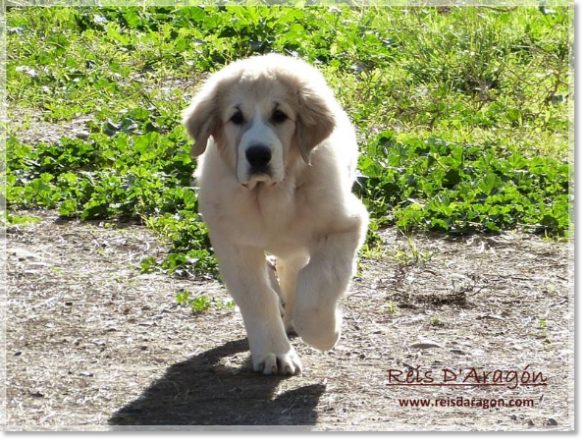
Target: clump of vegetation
[
  {"x": 412, "y": 254},
  {"x": 462, "y": 113},
  {"x": 202, "y": 303},
  {"x": 438, "y": 185},
  {"x": 437, "y": 322}
]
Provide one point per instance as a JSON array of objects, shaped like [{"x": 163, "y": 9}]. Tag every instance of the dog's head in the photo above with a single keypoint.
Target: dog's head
[{"x": 263, "y": 113}]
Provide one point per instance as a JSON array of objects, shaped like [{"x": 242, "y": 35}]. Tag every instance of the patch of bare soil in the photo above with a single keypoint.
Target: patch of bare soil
[
  {"x": 93, "y": 344},
  {"x": 31, "y": 129}
]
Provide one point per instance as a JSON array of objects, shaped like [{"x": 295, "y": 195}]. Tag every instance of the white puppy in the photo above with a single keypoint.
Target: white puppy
[{"x": 278, "y": 156}]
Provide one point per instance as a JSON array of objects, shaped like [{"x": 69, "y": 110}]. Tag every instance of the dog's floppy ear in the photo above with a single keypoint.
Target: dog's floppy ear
[
  {"x": 201, "y": 117},
  {"x": 316, "y": 121}
]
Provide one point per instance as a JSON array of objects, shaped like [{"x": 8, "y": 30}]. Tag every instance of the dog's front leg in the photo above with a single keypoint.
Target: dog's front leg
[
  {"x": 246, "y": 276},
  {"x": 321, "y": 284}
]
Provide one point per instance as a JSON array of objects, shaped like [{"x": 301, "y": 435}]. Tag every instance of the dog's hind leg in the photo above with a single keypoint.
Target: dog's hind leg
[
  {"x": 288, "y": 272},
  {"x": 271, "y": 263}
]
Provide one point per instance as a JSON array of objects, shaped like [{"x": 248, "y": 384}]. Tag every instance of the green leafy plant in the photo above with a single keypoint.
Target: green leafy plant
[
  {"x": 202, "y": 303},
  {"x": 462, "y": 113}
]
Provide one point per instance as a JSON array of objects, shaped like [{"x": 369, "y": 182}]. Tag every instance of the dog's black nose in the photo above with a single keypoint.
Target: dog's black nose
[{"x": 258, "y": 156}]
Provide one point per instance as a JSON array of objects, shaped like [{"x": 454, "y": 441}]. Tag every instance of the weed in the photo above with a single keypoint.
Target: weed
[
  {"x": 22, "y": 219},
  {"x": 413, "y": 255},
  {"x": 202, "y": 303},
  {"x": 373, "y": 252},
  {"x": 436, "y": 322}
]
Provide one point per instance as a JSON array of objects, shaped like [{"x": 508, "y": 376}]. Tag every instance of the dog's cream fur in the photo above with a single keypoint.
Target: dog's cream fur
[{"x": 302, "y": 211}]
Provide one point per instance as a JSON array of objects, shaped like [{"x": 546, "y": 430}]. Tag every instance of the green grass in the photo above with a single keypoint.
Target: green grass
[
  {"x": 413, "y": 255},
  {"x": 462, "y": 113}
]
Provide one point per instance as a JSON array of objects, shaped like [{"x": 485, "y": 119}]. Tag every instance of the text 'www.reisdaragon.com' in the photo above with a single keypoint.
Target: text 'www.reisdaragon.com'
[{"x": 465, "y": 402}]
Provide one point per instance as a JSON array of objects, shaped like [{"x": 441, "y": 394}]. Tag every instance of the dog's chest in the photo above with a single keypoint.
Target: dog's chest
[{"x": 261, "y": 217}]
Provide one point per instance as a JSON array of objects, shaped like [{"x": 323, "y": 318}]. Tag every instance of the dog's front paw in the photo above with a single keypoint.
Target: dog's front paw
[
  {"x": 318, "y": 327},
  {"x": 287, "y": 364}
]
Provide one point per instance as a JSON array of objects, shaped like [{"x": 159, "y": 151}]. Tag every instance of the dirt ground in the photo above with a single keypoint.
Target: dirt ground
[{"x": 93, "y": 344}]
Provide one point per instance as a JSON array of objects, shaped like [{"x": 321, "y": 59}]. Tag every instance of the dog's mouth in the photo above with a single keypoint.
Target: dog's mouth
[{"x": 259, "y": 178}]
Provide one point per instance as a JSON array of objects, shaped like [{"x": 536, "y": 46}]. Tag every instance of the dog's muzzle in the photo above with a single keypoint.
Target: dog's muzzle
[{"x": 259, "y": 158}]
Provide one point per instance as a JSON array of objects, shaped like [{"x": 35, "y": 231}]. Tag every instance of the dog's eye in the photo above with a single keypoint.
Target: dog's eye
[
  {"x": 237, "y": 118},
  {"x": 278, "y": 116}
]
